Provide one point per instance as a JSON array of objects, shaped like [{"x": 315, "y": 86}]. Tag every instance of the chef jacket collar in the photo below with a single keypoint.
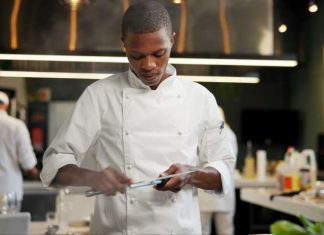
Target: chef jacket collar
[{"x": 168, "y": 82}]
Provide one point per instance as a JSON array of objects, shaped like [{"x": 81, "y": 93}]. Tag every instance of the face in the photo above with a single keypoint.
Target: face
[
  {"x": 4, "y": 107},
  {"x": 148, "y": 55}
]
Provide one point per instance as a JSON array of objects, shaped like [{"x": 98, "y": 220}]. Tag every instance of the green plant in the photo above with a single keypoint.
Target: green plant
[{"x": 284, "y": 227}]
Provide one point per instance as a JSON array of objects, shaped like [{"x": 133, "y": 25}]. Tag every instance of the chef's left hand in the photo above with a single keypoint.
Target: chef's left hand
[
  {"x": 205, "y": 178},
  {"x": 175, "y": 184}
]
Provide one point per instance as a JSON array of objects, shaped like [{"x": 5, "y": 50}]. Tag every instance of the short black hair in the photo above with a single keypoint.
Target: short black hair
[{"x": 146, "y": 17}]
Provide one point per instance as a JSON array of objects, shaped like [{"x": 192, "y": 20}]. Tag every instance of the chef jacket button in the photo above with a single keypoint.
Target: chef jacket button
[
  {"x": 178, "y": 96},
  {"x": 126, "y": 132},
  {"x": 127, "y": 97},
  {"x": 180, "y": 133},
  {"x": 132, "y": 199},
  {"x": 173, "y": 199},
  {"x": 129, "y": 166}
]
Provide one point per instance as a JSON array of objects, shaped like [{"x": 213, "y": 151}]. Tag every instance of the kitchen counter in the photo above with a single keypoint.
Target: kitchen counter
[
  {"x": 291, "y": 205},
  {"x": 241, "y": 182},
  {"x": 36, "y": 187},
  {"x": 38, "y": 227}
]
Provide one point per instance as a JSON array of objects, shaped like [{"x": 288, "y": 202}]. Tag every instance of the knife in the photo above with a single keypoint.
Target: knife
[{"x": 143, "y": 183}]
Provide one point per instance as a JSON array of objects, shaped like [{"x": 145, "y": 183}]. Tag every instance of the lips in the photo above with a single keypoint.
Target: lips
[{"x": 149, "y": 77}]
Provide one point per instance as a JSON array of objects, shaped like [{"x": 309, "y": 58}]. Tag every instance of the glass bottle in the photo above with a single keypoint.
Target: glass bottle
[{"x": 249, "y": 162}]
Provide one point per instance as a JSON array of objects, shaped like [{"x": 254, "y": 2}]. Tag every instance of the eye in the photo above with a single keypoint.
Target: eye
[
  {"x": 159, "y": 53},
  {"x": 136, "y": 56}
]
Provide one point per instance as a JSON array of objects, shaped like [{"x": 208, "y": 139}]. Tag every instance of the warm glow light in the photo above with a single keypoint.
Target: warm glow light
[
  {"x": 312, "y": 7},
  {"x": 177, "y": 1},
  {"x": 29, "y": 74},
  {"x": 120, "y": 59},
  {"x": 282, "y": 28},
  {"x": 222, "y": 79}
]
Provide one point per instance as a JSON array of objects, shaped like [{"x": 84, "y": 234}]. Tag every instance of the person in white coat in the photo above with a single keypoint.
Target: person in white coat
[
  {"x": 220, "y": 210},
  {"x": 138, "y": 125},
  {"x": 16, "y": 152}
]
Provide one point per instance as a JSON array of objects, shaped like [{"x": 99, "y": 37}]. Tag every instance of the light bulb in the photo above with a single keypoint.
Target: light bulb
[
  {"x": 312, "y": 7},
  {"x": 282, "y": 28}
]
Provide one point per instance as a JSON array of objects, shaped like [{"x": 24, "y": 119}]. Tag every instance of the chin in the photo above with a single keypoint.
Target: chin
[{"x": 152, "y": 83}]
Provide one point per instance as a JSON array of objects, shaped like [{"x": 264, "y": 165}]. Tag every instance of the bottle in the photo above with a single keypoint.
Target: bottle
[
  {"x": 62, "y": 209},
  {"x": 288, "y": 154},
  {"x": 249, "y": 162},
  {"x": 291, "y": 170},
  {"x": 261, "y": 164},
  {"x": 279, "y": 173},
  {"x": 309, "y": 168}
]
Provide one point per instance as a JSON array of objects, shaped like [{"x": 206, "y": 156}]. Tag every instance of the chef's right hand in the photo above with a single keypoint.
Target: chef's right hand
[{"x": 109, "y": 181}]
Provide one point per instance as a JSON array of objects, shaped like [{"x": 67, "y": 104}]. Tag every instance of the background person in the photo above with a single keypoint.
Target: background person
[
  {"x": 219, "y": 210},
  {"x": 16, "y": 152},
  {"x": 140, "y": 124}
]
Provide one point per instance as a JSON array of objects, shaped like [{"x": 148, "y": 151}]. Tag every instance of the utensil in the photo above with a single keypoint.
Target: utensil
[{"x": 143, "y": 183}]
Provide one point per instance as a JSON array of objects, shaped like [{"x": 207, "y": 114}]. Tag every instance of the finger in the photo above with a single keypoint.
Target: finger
[
  {"x": 122, "y": 189},
  {"x": 121, "y": 181},
  {"x": 112, "y": 181},
  {"x": 175, "y": 190},
  {"x": 122, "y": 178},
  {"x": 171, "y": 170}
]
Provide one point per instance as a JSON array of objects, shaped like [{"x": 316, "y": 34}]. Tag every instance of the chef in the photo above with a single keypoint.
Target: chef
[
  {"x": 16, "y": 154},
  {"x": 140, "y": 124}
]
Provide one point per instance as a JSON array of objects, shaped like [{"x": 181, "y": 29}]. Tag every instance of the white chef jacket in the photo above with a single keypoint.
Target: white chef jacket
[
  {"x": 126, "y": 125},
  {"x": 15, "y": 150}
]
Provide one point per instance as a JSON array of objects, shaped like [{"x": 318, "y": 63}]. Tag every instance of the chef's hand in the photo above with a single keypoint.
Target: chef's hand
[
  {"x": 109, "y": 181},
  {"x": 175, "y": 184},
  {"x": 205, "y": 178}
]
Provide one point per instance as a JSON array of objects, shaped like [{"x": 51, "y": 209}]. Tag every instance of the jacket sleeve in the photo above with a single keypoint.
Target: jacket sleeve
[
  {"x": 214, "y": 149},
  {"x": 77, "y": 134},
  {"x": 25, "y": 152}
]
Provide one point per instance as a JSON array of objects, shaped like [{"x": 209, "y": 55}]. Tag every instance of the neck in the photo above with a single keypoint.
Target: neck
[{"x": 3, "y": 107}]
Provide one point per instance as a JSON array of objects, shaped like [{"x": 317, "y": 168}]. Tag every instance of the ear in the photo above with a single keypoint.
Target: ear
[
  {"x": 172, "y": 37},
  {"x": 123, "y": 44}
]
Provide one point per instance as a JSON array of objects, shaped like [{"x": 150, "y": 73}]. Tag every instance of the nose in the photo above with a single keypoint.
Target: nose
[{"x": 148, "y": 63}]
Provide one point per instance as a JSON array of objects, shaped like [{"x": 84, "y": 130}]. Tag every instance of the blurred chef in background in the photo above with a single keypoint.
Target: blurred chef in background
[
  {"x": 16, "y": 153},
  {"x": 219, "y": 210}
]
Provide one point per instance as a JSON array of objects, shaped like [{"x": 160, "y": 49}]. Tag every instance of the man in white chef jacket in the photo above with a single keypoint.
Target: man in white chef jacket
[
  {"x": 140, "y": 124},
  {"x": 16, "y": 153}
]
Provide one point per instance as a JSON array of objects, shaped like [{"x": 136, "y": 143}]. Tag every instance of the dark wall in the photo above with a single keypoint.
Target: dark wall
[{"x": 307, "y": 85}]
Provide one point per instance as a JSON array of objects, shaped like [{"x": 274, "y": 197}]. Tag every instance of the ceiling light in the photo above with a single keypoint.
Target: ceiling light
[
  {"x": 177, "y": 1},
  {"x": 29, "y": 74},
  {"x": 312, "y": 7},
  {"x": 62, "y": 75},
  {"x": 222, "y": 79},
  {"x": 282, "y": 28},
  {"x": 236, "y": 62},
  {"x": 122, "y": 59}
]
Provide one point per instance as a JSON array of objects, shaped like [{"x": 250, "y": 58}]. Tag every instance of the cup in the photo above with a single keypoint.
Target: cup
[
  {"x": 8, "y": 203},
  {"x": 12, "y": 202},
  {"x": 3, "y": 203},
  {"x": 51, "y": 219}
]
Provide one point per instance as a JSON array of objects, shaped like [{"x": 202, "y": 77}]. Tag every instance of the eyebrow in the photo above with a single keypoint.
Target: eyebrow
[{"x": 154, "y": 52}]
